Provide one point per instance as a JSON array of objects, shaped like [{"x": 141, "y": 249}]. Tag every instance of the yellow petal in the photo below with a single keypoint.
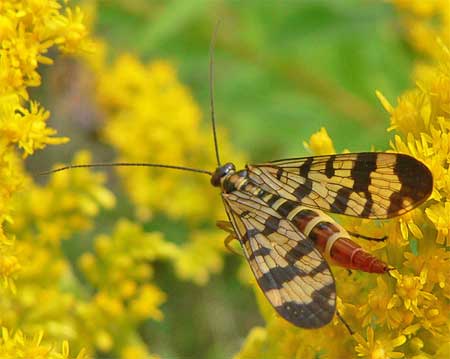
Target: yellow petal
[{"x": 387, "y": 106}]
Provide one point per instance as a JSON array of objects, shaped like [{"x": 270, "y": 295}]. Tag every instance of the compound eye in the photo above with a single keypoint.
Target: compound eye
[
  {"x": 220, "y": 172},
  {"x": 229, "y": 167},
  {"x": 215, "y": 179}
]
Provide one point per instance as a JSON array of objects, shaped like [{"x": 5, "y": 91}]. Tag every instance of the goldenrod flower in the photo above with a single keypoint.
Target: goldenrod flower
[
  {"x": 146, "y": 302},
  {"x": 149, "y": 95},
  {"x": 424, "y": 21},
  {"x": 27, "y": 30},
  {"x": 136, "y": 351},
  {"x": 25, "y": 127},
  {"x": 121, "y": 268},
  {"x": 377, "y": 308},
  {"x": 409, "y": 290},
  {"x": 201, "y": 256},
  {"x": 435, "y": 262},
  {"x": 15, "y": 345},
  {"x": 34, "y": 218},
  {"x": 404, "y": 314},
  {"x": 70, "y": 200},
  {"x": 439, "y": 214},
  {"x": 254, "y": 344},
  {"x": 382, "y": 348},
  {"x": 320, "y": 143}
]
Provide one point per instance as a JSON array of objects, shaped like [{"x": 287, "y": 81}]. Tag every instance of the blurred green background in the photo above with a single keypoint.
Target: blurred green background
[{"x": 283, "y": 69}]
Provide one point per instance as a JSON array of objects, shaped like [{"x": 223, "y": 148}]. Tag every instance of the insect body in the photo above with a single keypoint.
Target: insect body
[{"x": 275, "y": 211}]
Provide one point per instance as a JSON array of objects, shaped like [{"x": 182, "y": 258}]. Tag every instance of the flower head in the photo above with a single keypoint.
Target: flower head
[{"x": 380, "y": 348}]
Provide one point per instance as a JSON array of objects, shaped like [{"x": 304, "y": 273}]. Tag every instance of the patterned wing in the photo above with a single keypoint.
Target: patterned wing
[
  {"x": 368, "y": 185},
  {"x": 293, "y": 275}
]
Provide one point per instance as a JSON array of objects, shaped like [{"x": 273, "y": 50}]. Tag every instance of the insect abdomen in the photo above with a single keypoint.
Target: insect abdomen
[
  {"x": 335, "y": 243},
  {"x": 329, "y": 238},
  {"x": 350, "y": 255}
]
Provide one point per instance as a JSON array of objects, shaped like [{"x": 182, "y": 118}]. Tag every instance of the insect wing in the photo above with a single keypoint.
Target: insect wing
[
  {"x": 367, "y": 185},
  {"x": 293, "y": 275}
]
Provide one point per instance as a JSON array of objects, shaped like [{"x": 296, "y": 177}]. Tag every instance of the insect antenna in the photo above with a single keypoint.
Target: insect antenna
[
  {"x": 211, "y": 90},
  {"x": 124, "y": 164},
  {"x": 143, "y": 164}
]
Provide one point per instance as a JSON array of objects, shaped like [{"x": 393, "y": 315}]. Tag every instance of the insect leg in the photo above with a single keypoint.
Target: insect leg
[
  {"x": 227, "y": 227},
  {"x": 357, "y": 235},
  {"x": 227, "y": 241},
  {"x": 344, "y": 322}
]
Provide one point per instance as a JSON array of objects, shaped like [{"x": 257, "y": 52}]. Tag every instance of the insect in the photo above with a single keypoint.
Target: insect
[{"x": 275, "y": 209}]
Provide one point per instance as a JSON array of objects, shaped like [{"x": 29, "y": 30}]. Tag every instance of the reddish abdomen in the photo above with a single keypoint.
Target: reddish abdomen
[
  {"x": 350, "y": 255},
  {"x": 333, "y": 241}
]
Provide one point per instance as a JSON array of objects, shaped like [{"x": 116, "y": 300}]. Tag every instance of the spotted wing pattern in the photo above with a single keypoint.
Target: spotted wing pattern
[
  {"x": 368, "y": 185},
  {"x": 293, "y": 275}
]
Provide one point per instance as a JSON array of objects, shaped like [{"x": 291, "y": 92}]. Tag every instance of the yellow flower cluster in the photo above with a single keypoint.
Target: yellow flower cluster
[
  {"x": 120, "y": 269},
  {"x": 70, "y": 200},
  {"x": 149, "y": 95},
  {"x": 424, "y": 21},
  {"x": 280, "y": 339},
  {"x": 18, "y": 346},
  {"x": 49, "y": 297},
  {"x": 28, "y": 29},
  {"x": 41, "y": 291},
  {"x": 404, "y": 314}
]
